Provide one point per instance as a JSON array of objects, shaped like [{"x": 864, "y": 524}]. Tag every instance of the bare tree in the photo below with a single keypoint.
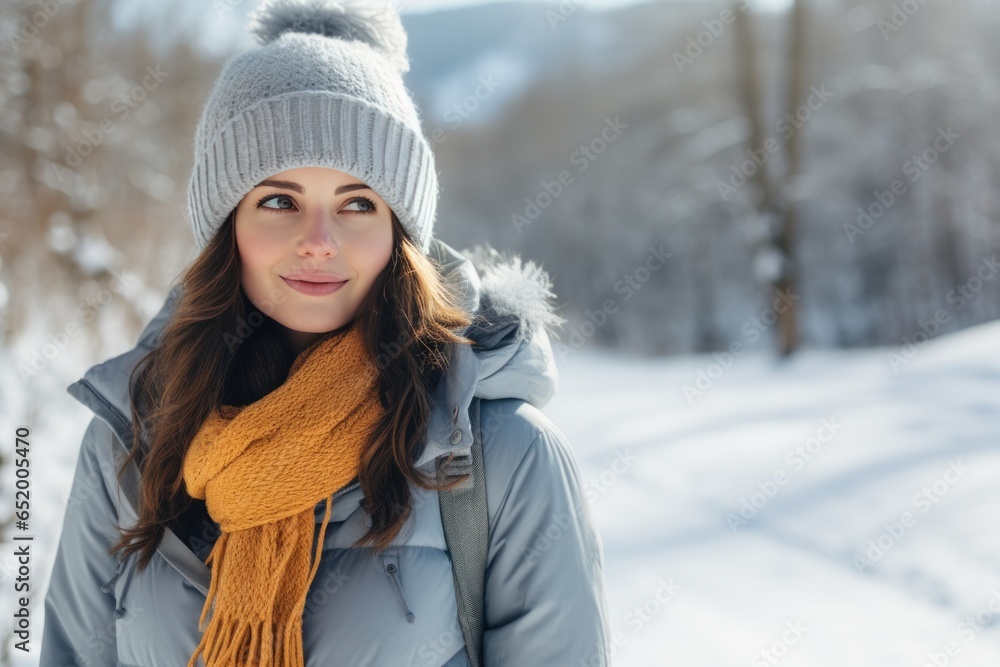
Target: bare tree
[{"x": 774, "y": 248}]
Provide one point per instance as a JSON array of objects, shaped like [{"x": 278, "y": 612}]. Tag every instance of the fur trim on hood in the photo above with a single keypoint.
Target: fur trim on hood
[{"x": 511, "y": 289}]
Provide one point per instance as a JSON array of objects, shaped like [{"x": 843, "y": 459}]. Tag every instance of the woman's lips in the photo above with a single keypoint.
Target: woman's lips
[{"x": 313, "y": 289}]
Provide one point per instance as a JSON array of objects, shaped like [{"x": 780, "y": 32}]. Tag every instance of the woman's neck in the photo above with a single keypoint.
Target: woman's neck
[{"x": 297, "y": 341}]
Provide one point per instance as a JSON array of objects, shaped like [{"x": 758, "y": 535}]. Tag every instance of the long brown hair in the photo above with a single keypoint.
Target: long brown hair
[{"x": 218, "y": 348}]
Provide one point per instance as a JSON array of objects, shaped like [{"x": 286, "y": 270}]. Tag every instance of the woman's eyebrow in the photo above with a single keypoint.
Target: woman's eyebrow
[
  {"x": 289, "y": 185},
  {"x": 351, "y": 186}
]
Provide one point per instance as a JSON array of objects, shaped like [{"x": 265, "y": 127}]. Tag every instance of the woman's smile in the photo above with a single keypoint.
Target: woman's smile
[{"x": 314, "y": 289}]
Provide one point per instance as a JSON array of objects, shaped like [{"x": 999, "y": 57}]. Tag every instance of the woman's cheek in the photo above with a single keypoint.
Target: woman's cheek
[
  {"x": 259, "y": 254},
  {"x": 259, "y": 247},
  {"x": 378, "y": 248}
]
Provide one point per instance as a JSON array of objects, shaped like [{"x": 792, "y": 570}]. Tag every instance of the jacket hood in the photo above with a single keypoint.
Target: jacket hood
[{"x": 513, "y": 319}]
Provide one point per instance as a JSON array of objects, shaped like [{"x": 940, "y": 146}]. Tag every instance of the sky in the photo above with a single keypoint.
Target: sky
[
  {"x": 221, "y": 31},
  {"x": 408, "y": 6}
]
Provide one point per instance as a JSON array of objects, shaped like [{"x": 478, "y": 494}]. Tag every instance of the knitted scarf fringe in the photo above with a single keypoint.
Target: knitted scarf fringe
[{"x": 237, "y": 641}]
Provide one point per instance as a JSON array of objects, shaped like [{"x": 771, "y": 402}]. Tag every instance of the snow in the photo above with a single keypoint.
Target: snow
[
  {"x": 684, "y": 470},
  {"x": 858, "y": 444}
]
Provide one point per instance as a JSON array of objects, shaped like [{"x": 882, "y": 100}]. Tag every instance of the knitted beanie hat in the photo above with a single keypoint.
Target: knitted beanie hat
[{"x": 324, "y": 89}]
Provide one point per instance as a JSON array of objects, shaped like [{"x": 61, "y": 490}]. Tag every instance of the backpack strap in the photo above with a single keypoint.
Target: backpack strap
[{"x": 466, "y": 530}]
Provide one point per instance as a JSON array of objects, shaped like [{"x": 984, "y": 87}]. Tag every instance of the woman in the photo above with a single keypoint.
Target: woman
[{"x": 299, "y": 400}]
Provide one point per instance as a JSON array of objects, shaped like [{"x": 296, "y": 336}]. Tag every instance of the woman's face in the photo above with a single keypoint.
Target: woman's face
[{"x": 311, "y": 241}]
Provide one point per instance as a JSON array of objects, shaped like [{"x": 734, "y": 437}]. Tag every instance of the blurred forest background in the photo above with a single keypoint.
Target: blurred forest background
[{"x": 759, "y": 148}]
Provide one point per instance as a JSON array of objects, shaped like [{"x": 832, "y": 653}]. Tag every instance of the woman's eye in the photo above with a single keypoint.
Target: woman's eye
[
  {"x": 362, "y": 205},
  {"x": 367, "y": 205},
  {"x": 280, "y": 198}
]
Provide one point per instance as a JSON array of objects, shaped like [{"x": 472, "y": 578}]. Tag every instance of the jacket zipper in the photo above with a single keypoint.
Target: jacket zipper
[
  {"x": 390, "y": 562},
  {"x": 349, "y": 487}
]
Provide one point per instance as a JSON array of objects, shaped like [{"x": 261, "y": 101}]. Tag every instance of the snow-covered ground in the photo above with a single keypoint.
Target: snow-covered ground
[
  {"x": 828, "y": 511},
  {"x": 869, "y": 534}
]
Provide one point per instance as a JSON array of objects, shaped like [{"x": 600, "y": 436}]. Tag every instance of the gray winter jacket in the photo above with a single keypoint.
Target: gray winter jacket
[{"x": 545, "y": 599}]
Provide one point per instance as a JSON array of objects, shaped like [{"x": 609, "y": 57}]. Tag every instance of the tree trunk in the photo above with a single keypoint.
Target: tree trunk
[{"x": 775, "y": 206}]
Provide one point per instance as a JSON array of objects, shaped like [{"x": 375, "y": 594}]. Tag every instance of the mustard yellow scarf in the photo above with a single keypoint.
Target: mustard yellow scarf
[{"x": 262, "y": 469}]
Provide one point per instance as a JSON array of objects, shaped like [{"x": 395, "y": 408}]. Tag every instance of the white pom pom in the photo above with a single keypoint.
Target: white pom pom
[{"x": 374, "y": 23}]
